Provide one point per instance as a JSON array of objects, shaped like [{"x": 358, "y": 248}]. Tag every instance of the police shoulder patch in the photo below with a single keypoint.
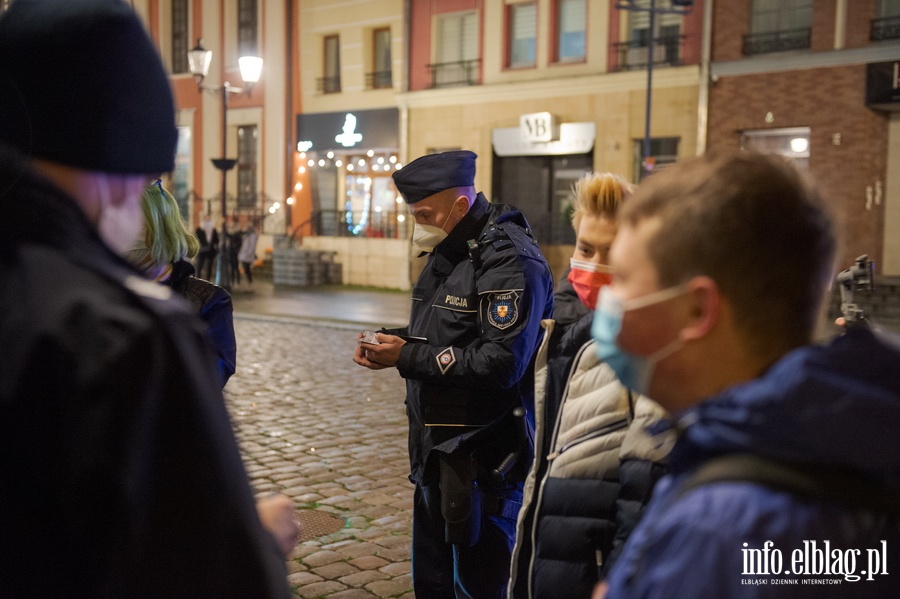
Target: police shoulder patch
[
  {"x": 503, "y": 308},
  {"x": 446, "y": 359}
]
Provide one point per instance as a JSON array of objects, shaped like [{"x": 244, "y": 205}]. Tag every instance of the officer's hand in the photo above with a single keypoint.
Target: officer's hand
[
  {"x": 386, "y": 352},
  {"x": 365, "y": 354},
  {"x": 600, "y": 590}
]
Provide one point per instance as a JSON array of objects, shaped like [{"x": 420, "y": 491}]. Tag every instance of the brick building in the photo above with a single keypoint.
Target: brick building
[{"x": 798, "y": 77}]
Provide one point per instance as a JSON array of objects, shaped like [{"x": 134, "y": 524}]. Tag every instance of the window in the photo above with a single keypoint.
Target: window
[
  {"x": 331, "y": 82},
  {"x": 570, "y": 35},
  {"x": 246, "y": 166},
  {"x": 457, "y": 50},
  {"x": 886, "y": 25},
  {"x": 791, "y": 142},
  {"x": 667, "y": 39},
  {"x": 887, "y": 8},
  {"x": 779, "y": 25},
  {"x": 663, "y": 153},
  {"x": 180, "y": 36},
  {"x": 247, "y": 28},
  {"x": 380, "y": 78},
  {"x": 522, "y": 27}
]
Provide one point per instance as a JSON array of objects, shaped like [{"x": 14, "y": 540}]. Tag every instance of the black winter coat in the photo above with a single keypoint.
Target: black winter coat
[
  {"x": 480, "y": 313},
  {"x": 213, "y": 304},
  {"x": 116, "y": 452}
]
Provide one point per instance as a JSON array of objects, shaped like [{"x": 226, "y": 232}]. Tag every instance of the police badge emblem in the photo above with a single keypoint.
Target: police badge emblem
[
  {"x": 503, "y": 309},
  {"x": 445, "y": 360}
]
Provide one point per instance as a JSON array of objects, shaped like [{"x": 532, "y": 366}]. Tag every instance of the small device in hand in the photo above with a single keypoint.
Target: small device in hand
[{"x": 369, "y": 337}]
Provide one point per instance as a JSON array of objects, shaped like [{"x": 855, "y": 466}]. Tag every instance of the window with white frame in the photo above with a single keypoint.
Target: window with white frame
[
  {"x": 381, "y": 59},
  {"x": 780, "y": 15},
  {"x": 456, "y": 51},
  {"x": 331, "y": 80},
  {"x": 522, "y": 28},
  {"x": 570, "y": 30}
]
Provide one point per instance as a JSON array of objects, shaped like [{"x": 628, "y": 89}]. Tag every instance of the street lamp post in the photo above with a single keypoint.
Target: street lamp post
[
  {"x": 631, "y": 5},
  {"x": 199, "y": 59}
]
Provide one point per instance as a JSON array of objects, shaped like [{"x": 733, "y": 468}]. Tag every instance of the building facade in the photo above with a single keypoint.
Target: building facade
[
  {"x": 817, "y": 80},
  {"x": 255, "y": 118}
]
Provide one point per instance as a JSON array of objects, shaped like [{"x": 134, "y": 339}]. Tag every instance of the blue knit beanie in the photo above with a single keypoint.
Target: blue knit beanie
[{"x": 81, "y": 84}]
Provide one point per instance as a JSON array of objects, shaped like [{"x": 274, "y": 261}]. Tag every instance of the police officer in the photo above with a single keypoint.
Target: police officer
[{"x": 466, "y": 356}]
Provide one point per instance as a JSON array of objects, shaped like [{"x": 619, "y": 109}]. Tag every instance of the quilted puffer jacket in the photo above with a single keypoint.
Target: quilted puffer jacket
[{"x": 594, "y": 468}]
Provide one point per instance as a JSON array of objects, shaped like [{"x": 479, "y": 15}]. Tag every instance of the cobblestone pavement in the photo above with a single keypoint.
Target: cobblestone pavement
[{"x": 331, "y": 435}]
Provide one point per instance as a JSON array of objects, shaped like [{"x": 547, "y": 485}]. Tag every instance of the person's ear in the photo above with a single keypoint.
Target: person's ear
[
  {"x": 461, "y": 208},
  {"x": 704, "y": 308}
]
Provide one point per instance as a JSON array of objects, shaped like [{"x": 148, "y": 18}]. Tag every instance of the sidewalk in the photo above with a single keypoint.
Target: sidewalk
[{"x": 346, "y": 307}]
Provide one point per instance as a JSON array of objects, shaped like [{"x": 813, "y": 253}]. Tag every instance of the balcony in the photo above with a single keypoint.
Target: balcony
[
  {"x": 776, "y": 41},
  {"x": 887, "y": 28},
  {"x": 328, "y": 85},
  {"x": 379, "y": 80},
  {"x": 455, "y": 74},
  {"x": 634, "y": 54}
]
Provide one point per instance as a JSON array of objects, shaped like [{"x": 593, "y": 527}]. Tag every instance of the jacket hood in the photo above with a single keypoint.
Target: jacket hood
[{"x": 826, "y": 404}]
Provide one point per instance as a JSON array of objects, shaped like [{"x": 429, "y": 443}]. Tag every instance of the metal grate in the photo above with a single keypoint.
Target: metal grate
[{"x": 315, "y": 524}]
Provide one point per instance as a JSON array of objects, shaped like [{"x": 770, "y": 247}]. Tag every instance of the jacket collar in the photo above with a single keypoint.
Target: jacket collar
[{"x": 454, "y": 248}]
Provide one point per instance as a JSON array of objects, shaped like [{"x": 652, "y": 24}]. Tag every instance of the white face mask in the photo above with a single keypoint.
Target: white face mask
[
  {"x": 428, "y": 237},
  {"x": 121, "y": 219}
]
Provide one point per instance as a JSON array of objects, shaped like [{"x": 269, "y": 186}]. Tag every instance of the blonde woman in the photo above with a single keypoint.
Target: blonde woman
[
  {"x": 594, "y": 466},
  {"x": 162, "y": 253}
]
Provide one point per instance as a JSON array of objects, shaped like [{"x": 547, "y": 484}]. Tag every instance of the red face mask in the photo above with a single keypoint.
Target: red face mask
[{"x": 587, "y": 278}]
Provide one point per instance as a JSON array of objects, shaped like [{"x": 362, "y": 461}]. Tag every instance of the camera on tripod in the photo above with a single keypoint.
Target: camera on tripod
[{"x": 859, "y": 277}]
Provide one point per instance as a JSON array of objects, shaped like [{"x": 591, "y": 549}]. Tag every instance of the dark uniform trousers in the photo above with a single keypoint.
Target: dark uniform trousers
[{"x": 471, "y": 579}]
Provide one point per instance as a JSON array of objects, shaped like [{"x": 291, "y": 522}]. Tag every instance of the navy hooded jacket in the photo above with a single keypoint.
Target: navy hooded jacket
[{"x": 834, "y": 406}]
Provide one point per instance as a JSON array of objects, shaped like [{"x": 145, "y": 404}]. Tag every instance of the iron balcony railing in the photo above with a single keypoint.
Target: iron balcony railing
[
  {"x": 453, "y": 74},
  {"x": 344, "y": 223},
  {"x": 379, "y": 80},
  {"x": 776, "y": 41},
  {"x": 633, "y": 54},
  {"x": 887, "y": 28},
  {"x": 328, "y": 85}
]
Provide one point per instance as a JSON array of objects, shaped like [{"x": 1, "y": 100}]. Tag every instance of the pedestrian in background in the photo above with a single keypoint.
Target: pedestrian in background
[
  {"x": 466, "y": 357},
  {"x": 209, "y": 249},
  {"x": 595, "y": 464},
  {"x": 786, "y": 447},
  {"x": 162, "y": 253},
  {"x": 247, "y": 255},
  {"x": 116, "y": 451},
  {"x": 235, "y": 237}
]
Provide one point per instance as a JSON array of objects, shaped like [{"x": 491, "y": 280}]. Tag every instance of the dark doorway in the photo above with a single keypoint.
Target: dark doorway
[{"x": 541, "y": 187}]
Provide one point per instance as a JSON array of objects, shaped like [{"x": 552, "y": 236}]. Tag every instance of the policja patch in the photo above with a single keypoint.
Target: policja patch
[{"x": 503, "y": 308}]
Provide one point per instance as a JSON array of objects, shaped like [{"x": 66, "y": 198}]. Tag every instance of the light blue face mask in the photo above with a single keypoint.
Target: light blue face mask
[{"x": 635, "y": 372}]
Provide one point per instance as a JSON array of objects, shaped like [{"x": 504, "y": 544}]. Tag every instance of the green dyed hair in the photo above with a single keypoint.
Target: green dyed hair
[{"x": 167, "y": 235}]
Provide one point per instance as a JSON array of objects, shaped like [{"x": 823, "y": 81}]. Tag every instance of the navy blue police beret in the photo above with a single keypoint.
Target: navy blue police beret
[
  {"x": 81, "y": 84},
  {"x": 433, "y": 173}
]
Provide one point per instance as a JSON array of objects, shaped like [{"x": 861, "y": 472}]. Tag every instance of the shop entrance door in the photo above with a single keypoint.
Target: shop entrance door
[{"x": 541, "y": 187}]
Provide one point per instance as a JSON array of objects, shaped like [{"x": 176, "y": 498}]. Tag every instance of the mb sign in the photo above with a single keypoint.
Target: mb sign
[{"x": 539, "y": 126}]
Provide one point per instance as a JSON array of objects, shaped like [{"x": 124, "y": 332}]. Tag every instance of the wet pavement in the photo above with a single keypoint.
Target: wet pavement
[{"x": 328, "y": 433}]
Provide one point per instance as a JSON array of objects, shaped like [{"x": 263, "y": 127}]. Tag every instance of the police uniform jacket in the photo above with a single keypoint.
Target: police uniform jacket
[
  {"x": 480, "y": 314},
  {"x": 116, "y": 451}
]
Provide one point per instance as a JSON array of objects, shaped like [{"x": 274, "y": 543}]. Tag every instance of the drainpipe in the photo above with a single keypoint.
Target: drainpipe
[{"x": 705, "y": 79}]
